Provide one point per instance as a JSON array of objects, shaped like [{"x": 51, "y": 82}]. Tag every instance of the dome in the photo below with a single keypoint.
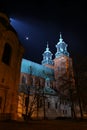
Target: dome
[{"x": 61, "y": 48}]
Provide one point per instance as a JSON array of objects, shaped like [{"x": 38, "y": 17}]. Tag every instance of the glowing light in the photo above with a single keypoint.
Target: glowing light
[
  {"x": 27, "y": 38},
  {"x": 21, "y": 27}
]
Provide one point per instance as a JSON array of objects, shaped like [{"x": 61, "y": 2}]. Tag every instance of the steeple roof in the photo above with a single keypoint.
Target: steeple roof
[
  {"x": 47, "y": 56},
  {"x": 60, "y": 39},
  {"x": 61, "y": 48},
  {"x": 47, "y": 49}
]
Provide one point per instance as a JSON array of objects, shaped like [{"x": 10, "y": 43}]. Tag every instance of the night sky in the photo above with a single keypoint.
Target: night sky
[{"x": 39, "y": 22}]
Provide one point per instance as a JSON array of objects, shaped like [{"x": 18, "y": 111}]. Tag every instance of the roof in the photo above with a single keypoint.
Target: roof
[{"x": 36, "y": 69}]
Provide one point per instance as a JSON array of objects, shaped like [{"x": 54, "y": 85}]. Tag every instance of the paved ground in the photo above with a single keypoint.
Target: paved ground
[{"x": 44, "y": 125}]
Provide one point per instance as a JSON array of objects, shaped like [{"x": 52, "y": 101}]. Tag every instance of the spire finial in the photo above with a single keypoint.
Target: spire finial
[
  {"x": 60, "y": 35},
  {"x": 60, "y": 40},
  {"x": 47, "y": 45},
  {"x": 47, "y": 49}
]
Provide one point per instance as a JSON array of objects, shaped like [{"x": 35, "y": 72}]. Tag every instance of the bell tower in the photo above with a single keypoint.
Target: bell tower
[
  {"x": 47, "y": 58},
  {"x": 63, "y": 69},
  {"x": 61, "y": 48}
]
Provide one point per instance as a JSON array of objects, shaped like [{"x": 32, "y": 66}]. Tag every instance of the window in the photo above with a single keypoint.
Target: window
[
  {"x": 0, "y": 102},
  {"x": 48, "y": 104},
  {"x": 6, "y": 57},
  {"x": 56, "y": 105}
]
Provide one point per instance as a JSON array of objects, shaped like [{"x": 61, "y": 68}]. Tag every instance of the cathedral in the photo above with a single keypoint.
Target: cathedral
[{"x": 29, "y": 89}]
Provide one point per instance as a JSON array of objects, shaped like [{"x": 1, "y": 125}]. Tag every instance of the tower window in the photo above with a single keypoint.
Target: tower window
[{"x": 6, "y": 57}]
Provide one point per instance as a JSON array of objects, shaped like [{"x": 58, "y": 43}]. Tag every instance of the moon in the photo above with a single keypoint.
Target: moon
[{"x": 27, "y": 37}]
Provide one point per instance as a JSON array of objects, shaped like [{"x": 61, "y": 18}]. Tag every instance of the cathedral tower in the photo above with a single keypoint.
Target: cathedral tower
[
  {"x": 63, "y": 70},
  {"x": 61, "y": 48},
  {"x": 47, "y": 58}
]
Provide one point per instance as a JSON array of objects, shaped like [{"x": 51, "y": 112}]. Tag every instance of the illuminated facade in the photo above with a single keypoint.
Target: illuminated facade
[
  {"x": 51, "y": 77},
  {"x": 28, "y": 86},
  {"x": 11, "y": 52}
]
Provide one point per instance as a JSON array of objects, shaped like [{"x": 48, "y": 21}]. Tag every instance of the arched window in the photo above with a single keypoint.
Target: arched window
[
  {"x": 6, "y": 57},
  {"x": 48, "y": 104}
]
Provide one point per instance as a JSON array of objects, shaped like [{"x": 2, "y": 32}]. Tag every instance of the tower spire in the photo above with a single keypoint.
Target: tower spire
[
  {"x": 61, "y": 47},
  {"x": 60, "y": 39},
  {"x": 47, "y": 45},
  {"x": 47, "y": 56},
  {"x": 47, "y": 49}
]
